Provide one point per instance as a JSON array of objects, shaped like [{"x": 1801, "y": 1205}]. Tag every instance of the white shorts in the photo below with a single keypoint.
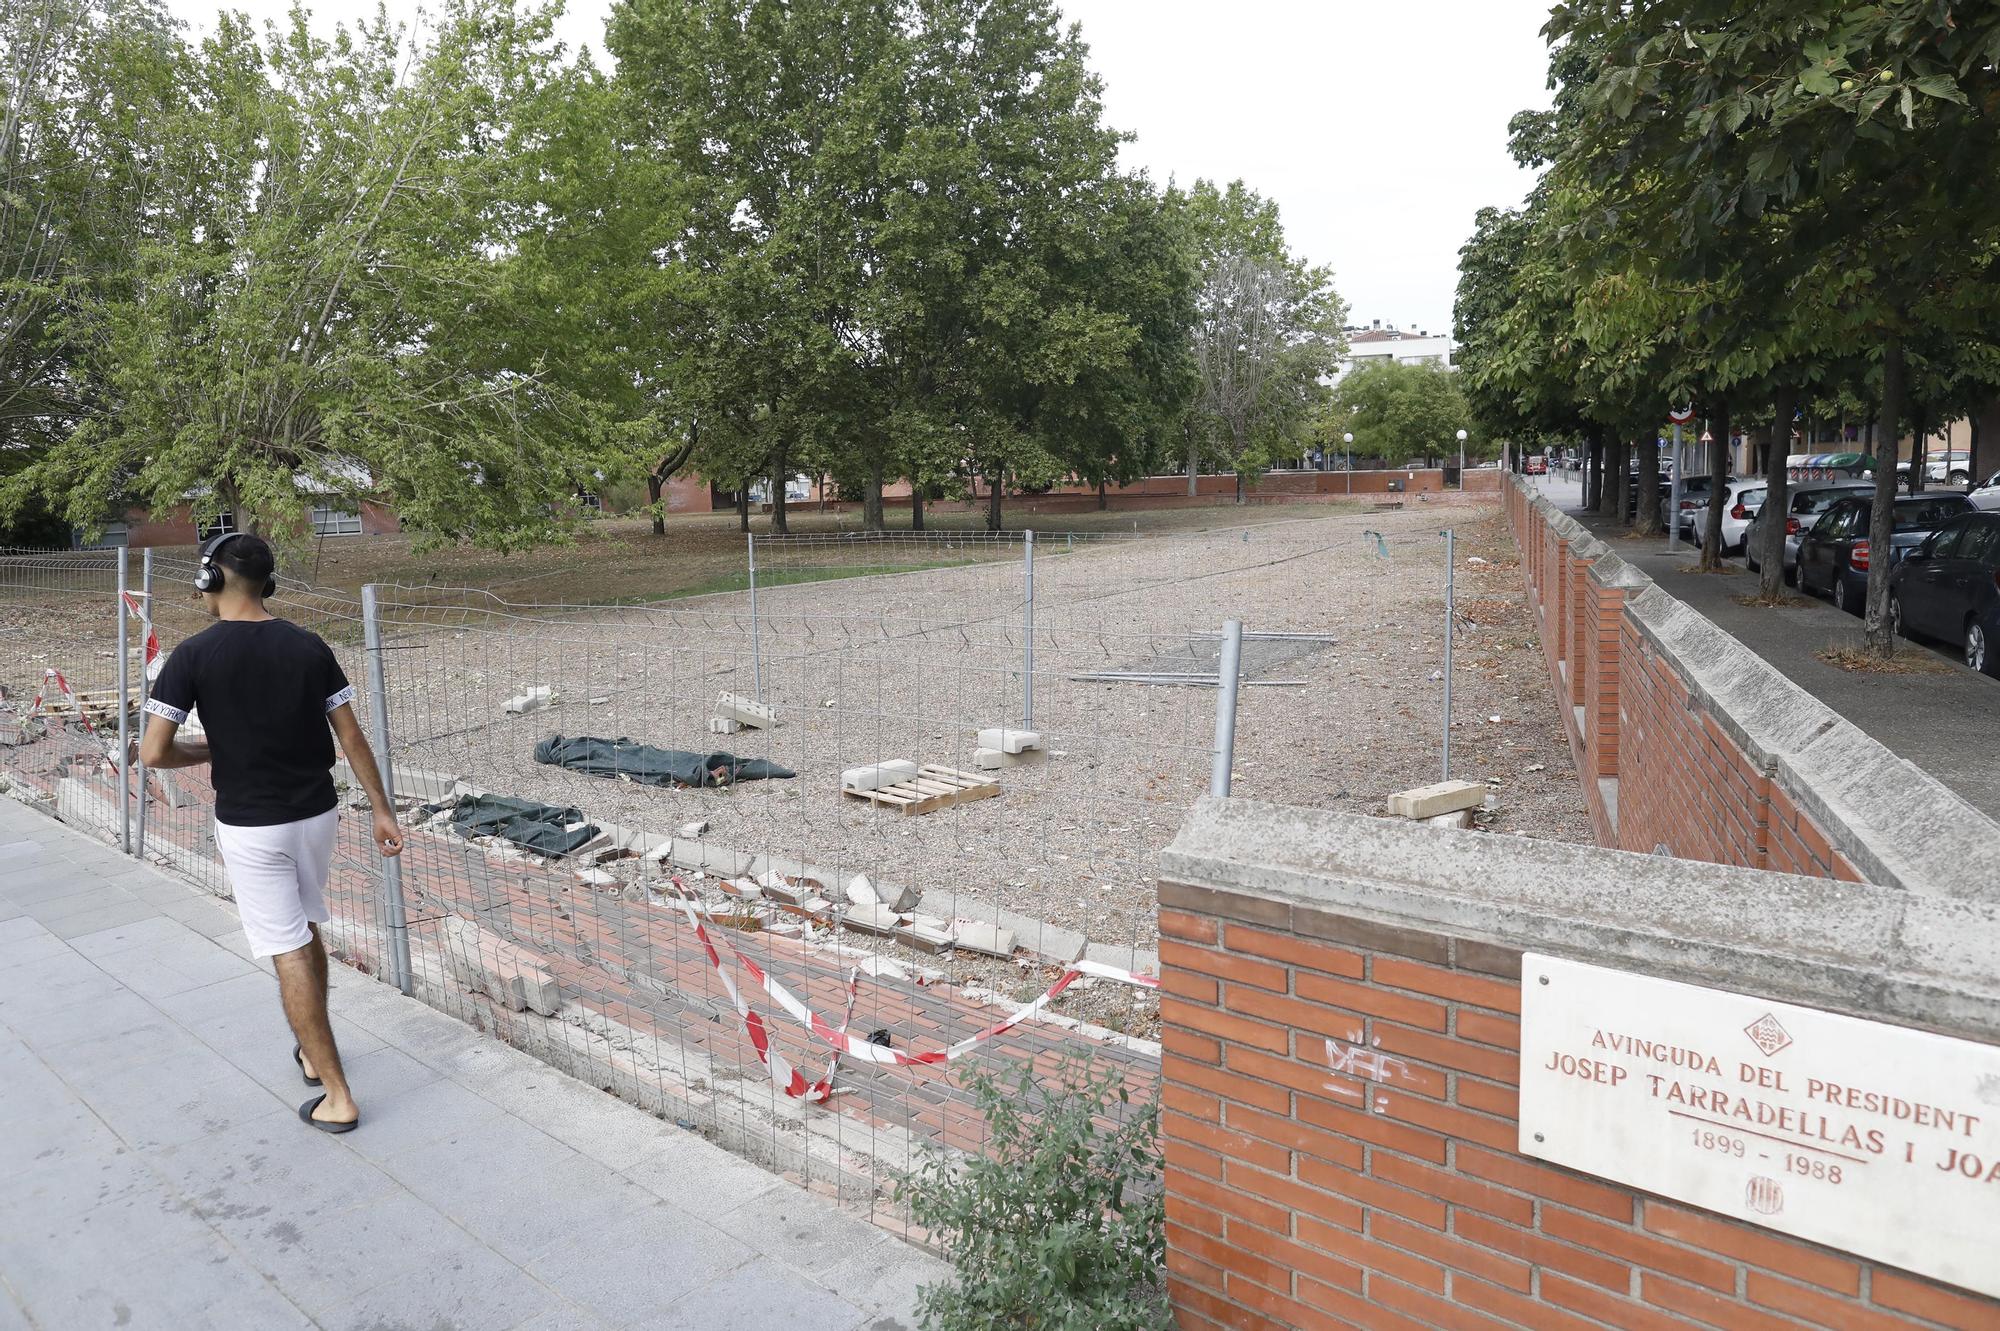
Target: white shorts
[{"x": 279, "y": 874}]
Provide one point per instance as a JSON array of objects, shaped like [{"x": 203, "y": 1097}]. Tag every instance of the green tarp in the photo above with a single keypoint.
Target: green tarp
[
  {"x": 650, "y": 766},
  {"x": 542, "y": 828}
]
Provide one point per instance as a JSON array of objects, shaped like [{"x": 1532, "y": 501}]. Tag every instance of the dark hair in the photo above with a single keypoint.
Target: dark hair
[{"x": 249, "y": 558}]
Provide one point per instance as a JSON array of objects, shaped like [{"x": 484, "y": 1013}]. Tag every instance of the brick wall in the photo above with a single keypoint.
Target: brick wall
[
  {"x": 1302, "y": 1197},
  {"x": 1695, "y": 790}
]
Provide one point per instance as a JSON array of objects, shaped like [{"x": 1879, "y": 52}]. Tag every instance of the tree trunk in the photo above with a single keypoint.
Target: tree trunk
[
  {"x": 1718, "y": 485},
  {"x": 1239, "y": 487},
  {"x": 871, "y": 494},
  {"x": 1649, "y": 487},
  {"x": 1194, "y": 463},
  {"x": 1972, "y": 473},
  {"x": 1882, "y": 514},
  {"x": 1103, "y": 500},
  {"x": 1777, "y": 504},
  {"x": 916, "y": 507},
  {"x": 780, "y": 523},
  {"x": 1621, "y": 482},
  {"x": 1919, "y": 448},
  {"x": 654, "y": 491},
  {"x": 993, "y": 503},
  {"x": 743, "y": 506}
]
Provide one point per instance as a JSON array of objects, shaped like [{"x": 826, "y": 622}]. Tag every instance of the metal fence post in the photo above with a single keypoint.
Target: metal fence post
[
  {"x": 124, "y": 709},
  {"x": 1225, "y": 706},
  {"x": 392, "y": 867},
  {"x": 1028, "y": 636},
  {"x": 145, "y": 679},
  {"x": 1450, "y": 563},
  {"x": 1674, "y": 497},
  {"x": 756, "y": 657}
]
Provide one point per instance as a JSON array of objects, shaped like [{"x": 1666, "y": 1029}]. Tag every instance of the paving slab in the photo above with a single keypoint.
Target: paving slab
[{"x": 158, "y": 1175}]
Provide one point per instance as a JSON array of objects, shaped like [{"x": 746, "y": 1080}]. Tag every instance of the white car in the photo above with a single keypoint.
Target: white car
[
  {"x": 1987, "y": 496},
  {"x": 1740, "y": 502}
]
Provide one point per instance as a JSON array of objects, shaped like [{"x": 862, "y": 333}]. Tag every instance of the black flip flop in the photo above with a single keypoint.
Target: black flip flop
[
  {"x": 299, "y": 1057},
  {"x": 306, "y": 1117}
]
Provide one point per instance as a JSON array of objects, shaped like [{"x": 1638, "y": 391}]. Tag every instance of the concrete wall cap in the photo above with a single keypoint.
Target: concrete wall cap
[
  {"x": 1869, "y": 951},
  {"x": 1611, "y": 571}
]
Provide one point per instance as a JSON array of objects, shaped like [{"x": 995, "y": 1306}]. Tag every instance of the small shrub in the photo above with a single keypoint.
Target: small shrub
[{"x": 1062, "y": 1226}]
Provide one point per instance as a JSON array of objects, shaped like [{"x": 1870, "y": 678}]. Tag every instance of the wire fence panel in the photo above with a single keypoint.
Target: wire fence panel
[{"x": 704, "y": 944}]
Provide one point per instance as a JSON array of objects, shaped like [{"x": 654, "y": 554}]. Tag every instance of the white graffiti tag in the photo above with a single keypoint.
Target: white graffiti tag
[{"x": 1354, "y": 1061}]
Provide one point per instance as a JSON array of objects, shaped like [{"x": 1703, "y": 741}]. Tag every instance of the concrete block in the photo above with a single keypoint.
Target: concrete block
[
  {"x": 989, "y": 760},
  {"x": 877, "y": 920},
  {"x": 1010, "y": 741},
  {"x": 1459, "y": 818},
  {"x": 693, "y": 829},
  {"x": 925, "y": 937},
  {"x": 1442, "y": 797},
  {"x": 861, "y": 892},
  {"x": 537, "y": 698},
  {"x": 722, "y": 861},
  {"x": 1137, "y": 960},
  {"x": 976, "y": 936},
  {"x": 745, "y": 710},
  {"x": 723, "y": 725},
  {"x": 596, "y": 877},
  {"x": 877, "y": 775}
]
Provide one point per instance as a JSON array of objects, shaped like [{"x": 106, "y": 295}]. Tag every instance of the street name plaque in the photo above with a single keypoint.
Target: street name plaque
[{"x": 1878, "y": 1140}]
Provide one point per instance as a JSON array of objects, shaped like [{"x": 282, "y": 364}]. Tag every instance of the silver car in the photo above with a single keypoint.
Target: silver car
[{"x": 1804, "y": 503}]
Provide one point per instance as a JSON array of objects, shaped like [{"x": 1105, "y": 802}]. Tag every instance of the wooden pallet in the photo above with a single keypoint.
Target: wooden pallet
[{"x": 931, "y": 789}]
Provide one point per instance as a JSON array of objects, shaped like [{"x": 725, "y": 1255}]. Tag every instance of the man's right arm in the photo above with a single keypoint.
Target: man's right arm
[{"x": 166, "y": 712}]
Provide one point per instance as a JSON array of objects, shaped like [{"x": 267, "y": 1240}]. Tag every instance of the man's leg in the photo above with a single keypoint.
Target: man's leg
[
  {"x": 316, "y": 950},
  {"x": 302, "y": 985}
]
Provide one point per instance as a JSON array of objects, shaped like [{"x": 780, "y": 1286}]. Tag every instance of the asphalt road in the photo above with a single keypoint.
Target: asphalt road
[{"x": 1947, "y": 723}]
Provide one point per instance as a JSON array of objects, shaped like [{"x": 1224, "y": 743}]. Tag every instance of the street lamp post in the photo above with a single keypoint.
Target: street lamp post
[
  {"x": 1348, "y": 439},
  {"x": 1461, "y": 459}
]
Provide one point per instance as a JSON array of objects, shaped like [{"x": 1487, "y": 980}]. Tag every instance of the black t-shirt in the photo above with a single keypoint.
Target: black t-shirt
[{"x": 264, "y": 690}]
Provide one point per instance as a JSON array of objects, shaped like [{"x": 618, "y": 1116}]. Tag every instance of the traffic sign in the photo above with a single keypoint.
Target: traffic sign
[
  {"x": 1680, "y": 415},
  {"x": 1707, "y": 438}
]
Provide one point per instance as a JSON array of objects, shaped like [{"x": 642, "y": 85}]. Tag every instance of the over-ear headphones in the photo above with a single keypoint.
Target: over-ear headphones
[{"x": 208, "y": 575}]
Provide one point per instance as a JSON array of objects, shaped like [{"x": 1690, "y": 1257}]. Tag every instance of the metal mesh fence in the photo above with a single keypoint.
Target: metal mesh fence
[{"x": 605, "y": 930}]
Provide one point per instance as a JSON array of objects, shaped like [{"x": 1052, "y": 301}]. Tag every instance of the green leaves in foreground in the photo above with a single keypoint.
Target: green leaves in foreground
[{"x": 1061, "y": 1226}]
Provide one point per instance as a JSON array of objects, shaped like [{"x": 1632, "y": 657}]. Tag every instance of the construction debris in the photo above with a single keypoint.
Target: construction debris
[
  {"x": 746, "y": 711},
  {"x": 535, "y": 699},
  {"x": 877, "y": 775},
  {"x": 723, "y": 725},
  {"x": 1443, "y": 797},
  {"x": 503, "y": 971},
  {"x": 931, "y": 789}
]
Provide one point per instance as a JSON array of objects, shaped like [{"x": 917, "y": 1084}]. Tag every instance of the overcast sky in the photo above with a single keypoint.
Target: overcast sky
[{"x": 1379, "y": 127}]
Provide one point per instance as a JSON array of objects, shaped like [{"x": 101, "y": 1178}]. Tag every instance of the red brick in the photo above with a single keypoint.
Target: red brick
[
  {"x": 1478, "y": 990},
  {"x": 1451, "y": 1252},
  {"x": 1450, "y": 1315},
  {"x": 1459, "y": 1123},
  {"x": 1188, "y": 928},
  {"x": 1215, "y": 1309},
  {"x": 1292, "y": 950},
  {"x": 1487, "y": 1028},
  {"x": 1302, "y": 1202},
  {"x": 1295, "y": 1136},
  {"x": 1192, "y": 1103},
  {"x": 1525, "y": 1176},
  {"x": 1221, "y": 965},
  {"x": 1543, "y": 1252},
  {"x": 1423, "y": 1144},
  {"x": 1375, "y": 1002},
  {"x": 1374, "y": 1193},
  {"x": 1182, "y": 1211},
  {"x": 1354, "y": 1310},
  {"x": 1283, "y": 1310},
  {"x": 1224, "y": 1026},
  {"x": 1453, "y": 1187},
  {"x": 1324, "y": 1266},
  {"x": 1186, "y": 1157},
  {"x": 1487, "y": 1098},
  {"x": 1179, "y": 1071},
  {"x": 1228, "y": 1256},
  {"x": 1651, "y": 1253},
  {"x": 1315, "y": 1079},
  {"x": 1188, "y": 985},
  {"x": 1741, "y": 1243},
  {"x": 1230, "y": 1145},
  {"x": 1817, "y": 1306},
  {"x": 1605, "y": 1307},
  {"x": 1321, "y": 1021},
  {"x": 1366, "y": 1252},
  {"x": 1519, "y": 1309},
  {"x": 1923, "y": 1299},
  {"x": 1448, "y": 1051},
  {"x": 1727, "y": 1314},
  {"x": 1188, "y": 1267},
  {"x": 1186, "y": 1044}
]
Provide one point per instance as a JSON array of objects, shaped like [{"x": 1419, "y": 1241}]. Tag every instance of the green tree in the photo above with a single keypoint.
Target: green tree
[{"x": 1403, "y": 410}]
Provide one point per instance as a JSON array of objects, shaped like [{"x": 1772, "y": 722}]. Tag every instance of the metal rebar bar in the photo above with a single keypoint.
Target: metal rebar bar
[
  {"x": 1225, "y": 707},
  {"x": 1450, "y": 560},
  {"x": 124, "y": 708},
  {"x": 393, "y": 909},
  {"x": 756, "y": 657}
]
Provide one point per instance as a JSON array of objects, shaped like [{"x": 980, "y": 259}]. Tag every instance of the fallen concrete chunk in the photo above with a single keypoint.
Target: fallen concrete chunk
[
  {"x": 596, "y": 877},
  {"x": 693, "y": 829},
  {"x": 1010, "y": 741},
  {"x": 1456, "y": 818},
  {"x": 508, "y": 974},
  {"x": 1443, "y": 797},
  {"x": 877, "y": 775},
  {"x": 860, "y": 892},
  {"x": 925, "y": 937},
  {"x": 534, "y": 700},
  {"x": 723, "y": 725},
  {"x": 975, "y": 936},
  {"x": 746, "y": 710},
  {"x": 987, "y": 760},
  {"x": 877, "y": 920}
]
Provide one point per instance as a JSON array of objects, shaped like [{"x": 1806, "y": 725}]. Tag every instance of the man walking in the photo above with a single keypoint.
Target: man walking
[{"x": 266, "y": 691}]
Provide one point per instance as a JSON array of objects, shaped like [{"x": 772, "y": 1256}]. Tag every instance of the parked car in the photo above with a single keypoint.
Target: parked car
[
  {"x": 1804, "y": 503},
  {"x": 1953, "y": 467},
  {"x": 1987, "y": 496},
  {"x": 1537, "y": 464},
  {"x": 1740, "y": 502},
  {"x": 1694, "y": 498},
  {"x": 1835, "y": 555},
  {"x": 1948, "y": 588}
]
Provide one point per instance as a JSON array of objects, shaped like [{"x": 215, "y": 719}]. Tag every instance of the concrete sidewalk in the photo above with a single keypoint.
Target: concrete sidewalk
[
  {"x": 1947, "y": 723},
  {"x": 158, "y": 1176}
]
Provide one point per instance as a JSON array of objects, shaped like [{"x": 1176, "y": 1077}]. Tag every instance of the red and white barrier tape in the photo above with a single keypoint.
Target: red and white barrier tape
[
  {"x": 68, "y": 695},
  {"x": 794, "y": 1084},
  {"x": 133, "y": 604}
]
